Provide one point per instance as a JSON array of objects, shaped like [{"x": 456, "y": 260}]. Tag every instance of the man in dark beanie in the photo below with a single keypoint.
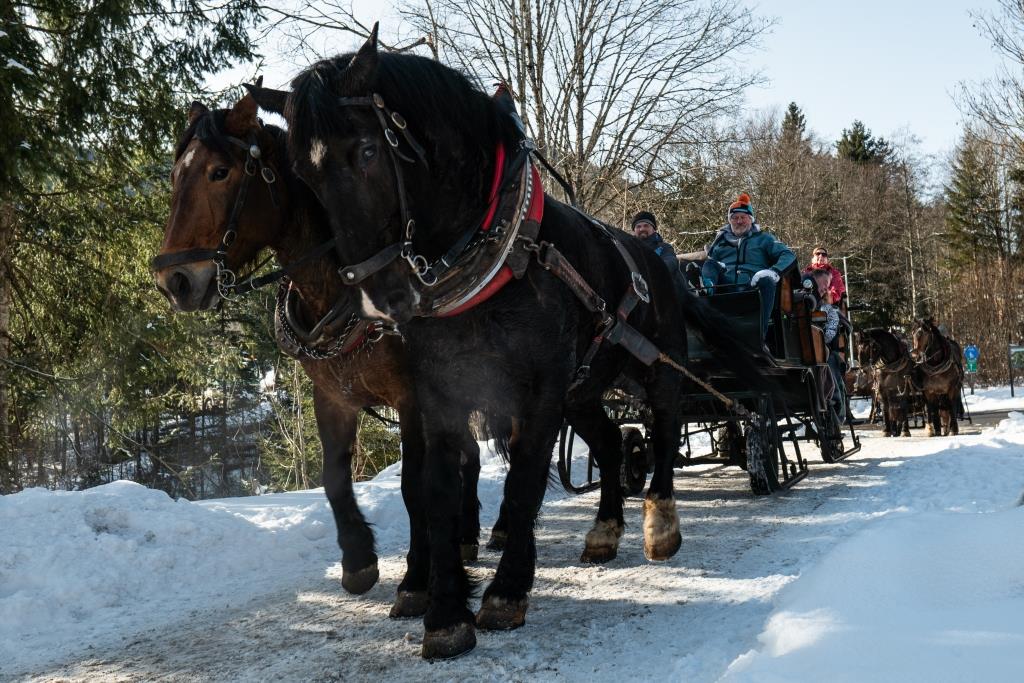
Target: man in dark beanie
[{"x": 645, "y": 227}]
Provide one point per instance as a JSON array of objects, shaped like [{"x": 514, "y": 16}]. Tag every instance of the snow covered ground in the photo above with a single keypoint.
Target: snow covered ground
[{"x": 900, "y": 564}]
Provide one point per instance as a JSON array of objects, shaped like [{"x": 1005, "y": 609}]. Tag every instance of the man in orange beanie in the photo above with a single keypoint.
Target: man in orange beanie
[{"x": 743, "y": 256}]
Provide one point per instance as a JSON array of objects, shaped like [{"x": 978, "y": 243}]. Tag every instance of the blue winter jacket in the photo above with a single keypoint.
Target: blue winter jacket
[
  {"x": 667, "y": 254},
  {"x": 755, "y": 251}
]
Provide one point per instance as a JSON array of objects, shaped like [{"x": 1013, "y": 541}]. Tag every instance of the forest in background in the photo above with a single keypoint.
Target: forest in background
[{"x": 638, "y": 103}]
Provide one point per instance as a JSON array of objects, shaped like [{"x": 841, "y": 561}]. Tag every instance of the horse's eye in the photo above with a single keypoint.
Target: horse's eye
[
  {"x": 219, "y": 173},
  {"x": 368, "y": 152}
]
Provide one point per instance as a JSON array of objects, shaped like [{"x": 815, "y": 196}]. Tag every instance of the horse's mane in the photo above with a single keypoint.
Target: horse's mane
[
  {"x": 206, "y": 128},
  {"x": 444, "y": 110}
]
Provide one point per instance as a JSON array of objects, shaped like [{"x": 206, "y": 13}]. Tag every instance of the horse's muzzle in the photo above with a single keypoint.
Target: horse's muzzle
[{"x": 189, "y": 287}]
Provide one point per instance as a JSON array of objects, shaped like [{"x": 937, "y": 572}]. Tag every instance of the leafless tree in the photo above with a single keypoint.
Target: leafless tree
[
  {"x": 605, "y": 87},
  {"x": 999, "y": 101}
]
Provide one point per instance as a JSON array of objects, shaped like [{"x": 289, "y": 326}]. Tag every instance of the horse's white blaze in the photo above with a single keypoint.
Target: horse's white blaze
[
  {"x": 183, "y": 162},
  {"x": 370, "y": 310},
  {"x": 317, "y": 152}
]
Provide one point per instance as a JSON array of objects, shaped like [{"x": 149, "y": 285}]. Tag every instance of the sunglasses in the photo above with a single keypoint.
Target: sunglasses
[{"x": 821, "y": 253}]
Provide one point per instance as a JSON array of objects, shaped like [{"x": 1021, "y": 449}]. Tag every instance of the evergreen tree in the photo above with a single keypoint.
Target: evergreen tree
[
  {"x": 973, "y": 214},
  {"x": 857, "y": 144},
  {"x": 794, "y": 125},
  {"x": 91, "y": 95}
]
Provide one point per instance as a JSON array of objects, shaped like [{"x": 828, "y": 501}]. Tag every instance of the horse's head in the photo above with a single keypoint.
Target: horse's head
[
  {"x": 923, "y": 335},
  {"x": 390, "y": 208},
  {"x": 225, "y": 204}
]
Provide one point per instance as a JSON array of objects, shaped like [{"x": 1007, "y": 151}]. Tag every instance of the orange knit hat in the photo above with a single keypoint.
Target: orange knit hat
[{"x": 742, "y": 205}]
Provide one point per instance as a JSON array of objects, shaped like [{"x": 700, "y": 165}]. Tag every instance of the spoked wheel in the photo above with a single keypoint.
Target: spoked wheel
[
  {"x": 830, "y": 438},
  {"x": 633, "y": 473},
  {"x": 763, "y": 464}
]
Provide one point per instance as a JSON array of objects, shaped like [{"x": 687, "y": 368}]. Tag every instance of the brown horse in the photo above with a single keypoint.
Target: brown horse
[
  {"x": 234, "y": 194},
  {"x": 940, "y": 376},
  {"x": 893, "y": 367}
]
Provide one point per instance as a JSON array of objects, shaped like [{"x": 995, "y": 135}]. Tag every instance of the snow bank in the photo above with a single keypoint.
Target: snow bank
[
  {"x": 933, "y": 592},
  {"x": 77, "y": 565},
  {"x": 932, "y": 597},
  {"x": 994, "y": 398},
  {"x": 87, "y": 567}
]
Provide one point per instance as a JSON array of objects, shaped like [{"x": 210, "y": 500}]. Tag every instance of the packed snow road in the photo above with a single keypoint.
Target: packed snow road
[{"x": 902, "y": 563}]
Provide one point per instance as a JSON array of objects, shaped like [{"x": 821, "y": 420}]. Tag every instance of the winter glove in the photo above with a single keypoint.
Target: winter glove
[{"x": 768, "y": 273}]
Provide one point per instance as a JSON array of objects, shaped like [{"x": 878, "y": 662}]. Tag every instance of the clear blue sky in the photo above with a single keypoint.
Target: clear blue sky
[{"x": 892, "y": 64}]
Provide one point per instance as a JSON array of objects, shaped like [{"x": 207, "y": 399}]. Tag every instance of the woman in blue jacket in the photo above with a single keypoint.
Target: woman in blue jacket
[{"x": 742, "y": 254}]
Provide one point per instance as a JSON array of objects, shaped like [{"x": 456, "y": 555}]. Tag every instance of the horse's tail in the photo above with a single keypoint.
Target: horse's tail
[
  {"x": 714, "y": 329},
  {"x": 500, "y": 429}
]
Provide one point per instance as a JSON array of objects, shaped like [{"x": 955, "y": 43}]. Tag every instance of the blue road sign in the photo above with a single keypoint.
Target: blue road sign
[{"x": 972, "y": 353}]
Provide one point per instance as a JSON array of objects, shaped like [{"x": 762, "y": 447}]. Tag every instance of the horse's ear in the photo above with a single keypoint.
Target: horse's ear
[
  {"x": 196, "y": 110},
  {"x": 242, "y": 117},
  {"x": 268, "y": 98},
  {"x": 360, "y": 70}
]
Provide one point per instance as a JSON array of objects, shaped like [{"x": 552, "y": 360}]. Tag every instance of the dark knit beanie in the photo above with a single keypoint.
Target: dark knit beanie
[{"x": 645, "y": 216}]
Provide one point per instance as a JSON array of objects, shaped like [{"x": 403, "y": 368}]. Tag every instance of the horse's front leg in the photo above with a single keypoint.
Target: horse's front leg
[
  {"x": 411, "y": 598},
  {"x": 448, "y": 622},
  {"x": 506, "y": 599},
  {"x": 934, "y": 424},
  {"x": 336, "y": 423}
]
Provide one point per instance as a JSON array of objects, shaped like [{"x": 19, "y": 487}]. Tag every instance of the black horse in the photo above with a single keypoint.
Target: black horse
[
  {"x": 893, "y": 377},
  {"x": 940, "y": 375},
  {"x": 404, "y": 197}
]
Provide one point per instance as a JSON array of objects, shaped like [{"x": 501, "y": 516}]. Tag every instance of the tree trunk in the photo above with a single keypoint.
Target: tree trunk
[{"x": 9, "y": 479}]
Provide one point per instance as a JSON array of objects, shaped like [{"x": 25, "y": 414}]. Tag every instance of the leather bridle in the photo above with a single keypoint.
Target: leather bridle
[
  {"x": 355, "y": 274},
  {"x": 227, "y": 282}
]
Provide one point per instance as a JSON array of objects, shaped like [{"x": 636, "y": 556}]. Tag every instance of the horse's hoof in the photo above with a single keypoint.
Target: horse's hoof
[
  {"x": 409, "y": 604},
  {"x": 470, "y": 551},
  {"x": 447, "y": 643},
  {"x": 602, "y": 543},
  {"x": 361, "y": 581},
  {"x": 906, "y": 433},
  {"x": 499, "y": 614},
  {"x": 661, "y": 529},
  {"x": 498, "y": 539}
]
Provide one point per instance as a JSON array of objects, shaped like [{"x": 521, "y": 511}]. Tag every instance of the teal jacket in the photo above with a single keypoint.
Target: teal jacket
[{"x": 754, "y": 251}]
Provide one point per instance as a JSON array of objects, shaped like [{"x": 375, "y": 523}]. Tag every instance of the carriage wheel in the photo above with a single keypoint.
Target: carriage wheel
[
  {"x": 763, "y": 464},
  {"x": 831, "y": 437},
  {"x": 633, "y": 473}
]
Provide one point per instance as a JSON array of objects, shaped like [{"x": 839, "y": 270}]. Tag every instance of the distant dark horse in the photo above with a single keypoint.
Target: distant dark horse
[
  {"x": 220, "y": 153},
  {"x": 940, "y": 375},
  {"x": 402, "y": 151},
  {"x": 893, "y": 370}
]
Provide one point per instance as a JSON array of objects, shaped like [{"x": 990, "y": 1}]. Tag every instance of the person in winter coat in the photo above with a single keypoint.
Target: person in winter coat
[
  {"x": 823, "y": 283},
  {"x": 819, "y": 261},
  {"x": 743, "y": 255},
  {"x": 645, "y": 228}
]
